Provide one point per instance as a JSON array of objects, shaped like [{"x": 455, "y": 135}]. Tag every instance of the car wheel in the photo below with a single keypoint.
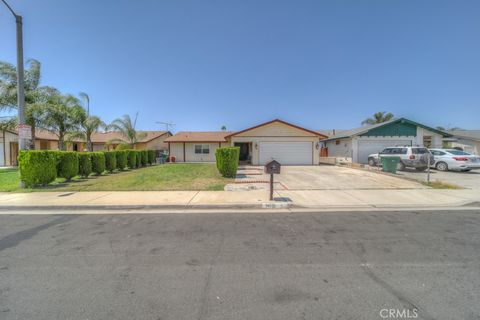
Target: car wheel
[
  {"x": 421, "y": 168},
  {"x": 441, "y": 166},
  {"x": 466, "y": 170},
  {"x": 371, "y": 162},
  {"x": 400, "y": 166}
]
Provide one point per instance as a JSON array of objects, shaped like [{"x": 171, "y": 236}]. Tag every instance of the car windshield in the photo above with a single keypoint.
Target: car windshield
[
  {"x": 459, "y": 153},
  {"x": 419, "y": 150}
]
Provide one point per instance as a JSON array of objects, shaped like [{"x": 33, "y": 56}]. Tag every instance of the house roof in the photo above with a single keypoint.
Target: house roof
[
  {"x": 97, "y": 137},
  {"x": 104, "y": 137},
  {"x": 199, "y": 136},
  {"x": 466, "y": 134},
  {"x": 361, "y": 130},
  {"x": 279, "y": 121}
]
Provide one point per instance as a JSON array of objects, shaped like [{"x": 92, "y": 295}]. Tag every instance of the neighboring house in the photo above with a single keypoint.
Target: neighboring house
[
  {"x": 285, "y": 142},
  {"x": 357, "y": 144},
  {"x": 154, "y": 140},
  {"x": 47, "y": 140},
  {"x": 467, "y": 140}
]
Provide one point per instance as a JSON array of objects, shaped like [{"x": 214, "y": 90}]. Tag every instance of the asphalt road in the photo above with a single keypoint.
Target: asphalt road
[{"x": 347, "y": 265}]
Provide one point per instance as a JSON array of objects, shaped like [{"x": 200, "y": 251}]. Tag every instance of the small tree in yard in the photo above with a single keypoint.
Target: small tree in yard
[{"x": 227, "y": 161}]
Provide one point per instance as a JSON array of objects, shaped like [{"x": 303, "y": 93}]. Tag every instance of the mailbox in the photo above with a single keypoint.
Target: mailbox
[{"x": 272, "y": 167}]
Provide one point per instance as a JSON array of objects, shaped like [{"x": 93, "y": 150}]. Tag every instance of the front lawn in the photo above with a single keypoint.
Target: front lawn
[{"x": 198, "y": 176}]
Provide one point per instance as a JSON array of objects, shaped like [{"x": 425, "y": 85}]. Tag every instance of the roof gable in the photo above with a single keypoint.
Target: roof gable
[{"x": 276, "y": 128}]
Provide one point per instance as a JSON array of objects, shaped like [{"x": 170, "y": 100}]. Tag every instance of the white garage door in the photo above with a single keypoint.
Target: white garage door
[
  {"x": 2, "y": 155},
  {"x": 365, "y": 148},
  {"x": 286, "y": 152}
]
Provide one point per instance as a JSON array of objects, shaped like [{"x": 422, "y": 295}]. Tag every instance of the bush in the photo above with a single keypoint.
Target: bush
[
  {"x": 138, "y": 155},
  {"x": 98, "y": 162},
  {"x": 144, "y": 157},
  {"x": 67, "y": 164},
  {"x": 121, "y": 159},
  {"x": 110, "y": 160},
  {"x": 37, "y": 167},
  {"x": 227, "y": 161},
  {"x": 123, "y": 146},
  {"x": 84, "y": 164},
  {"x": 131, "y": 159},
  {"x": 151, "y": 156}
]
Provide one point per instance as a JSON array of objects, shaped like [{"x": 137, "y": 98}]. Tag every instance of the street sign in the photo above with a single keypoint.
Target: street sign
[{"x": 24, "y": 132}]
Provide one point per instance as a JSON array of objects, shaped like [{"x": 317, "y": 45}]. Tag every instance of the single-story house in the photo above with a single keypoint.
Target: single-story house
[
  {"x": 467, "y": 140},
  {"x": 287, "y": 143},
  {"x": 47, "y": 140},
  {"x": 357, "y": 144}
]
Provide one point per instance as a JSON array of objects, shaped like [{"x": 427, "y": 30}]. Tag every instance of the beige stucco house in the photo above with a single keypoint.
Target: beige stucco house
[{"x": 285, "y": 142}]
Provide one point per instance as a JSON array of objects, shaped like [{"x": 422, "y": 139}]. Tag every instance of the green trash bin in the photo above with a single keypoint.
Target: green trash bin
[{"x": 389, "y": 164}]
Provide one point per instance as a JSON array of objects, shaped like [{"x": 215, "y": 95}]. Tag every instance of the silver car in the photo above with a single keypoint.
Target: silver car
[{"x": 453, "y": 159}]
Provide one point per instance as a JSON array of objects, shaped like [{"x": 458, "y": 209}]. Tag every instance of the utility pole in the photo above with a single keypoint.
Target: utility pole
[{"x": 22, "y": 141}]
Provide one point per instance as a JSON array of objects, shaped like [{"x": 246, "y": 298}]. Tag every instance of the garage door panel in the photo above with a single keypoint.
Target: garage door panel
[
  {"x": 366, "y": 148},
  {"x": 287, "y": 153}
]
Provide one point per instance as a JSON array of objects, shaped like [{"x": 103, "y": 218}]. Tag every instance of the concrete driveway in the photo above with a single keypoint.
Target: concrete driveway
[
  {"x": 469, "y": 180},
  {"x": 328, "y": 178}
]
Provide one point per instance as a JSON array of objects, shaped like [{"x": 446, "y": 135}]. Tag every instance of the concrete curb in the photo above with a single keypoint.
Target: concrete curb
[{"x": 282, "y": 205}]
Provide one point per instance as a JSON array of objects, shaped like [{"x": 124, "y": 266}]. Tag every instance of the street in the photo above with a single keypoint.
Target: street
[{"x": 341, "y": 265}]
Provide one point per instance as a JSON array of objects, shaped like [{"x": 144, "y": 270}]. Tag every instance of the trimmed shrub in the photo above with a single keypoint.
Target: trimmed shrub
[
  {"x": 151, "y": 156},
  {"x": 227, "y": 161},
  {"x": 121, "y": 159},
  {"x": 67, "y": 164},
  {"x": 37, "y": 167},
  {"x": 138, "y": 155},
  {"x": 110, "y": 160},
  {"x": 98, "y": 162},
  {"x": 131, "y": 159},
  {"x": 84, "y": 164},
  {"x": 144, "y": 157}
]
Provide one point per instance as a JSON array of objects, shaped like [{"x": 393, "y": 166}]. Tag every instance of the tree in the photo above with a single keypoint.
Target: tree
[
  {"x": 8, "y": 123},
  {"x": 34, "y": 93},
  {"x": 63, "y": 114},
  {"x": 378, "y": 117},
  {"x": 90, "y": 125},
  {"x": 126, "y": 127},
  {"x": 86, "y": 100},
  {"x": 224, "y": 128}
]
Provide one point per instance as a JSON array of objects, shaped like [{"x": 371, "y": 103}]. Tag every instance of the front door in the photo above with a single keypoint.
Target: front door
[{"x": 244, "y": 150}]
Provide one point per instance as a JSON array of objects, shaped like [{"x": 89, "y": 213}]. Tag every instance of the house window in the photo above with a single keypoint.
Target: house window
[{"x": 202, "y": 149}]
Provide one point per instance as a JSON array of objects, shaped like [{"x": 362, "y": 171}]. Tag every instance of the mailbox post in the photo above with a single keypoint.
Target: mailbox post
[{"x": 272, "y": 167}]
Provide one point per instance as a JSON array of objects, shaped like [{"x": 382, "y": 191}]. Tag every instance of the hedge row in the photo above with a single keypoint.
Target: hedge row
[
  {"x": 227, "y": 161},
  {"x": 40, "y": 167}
]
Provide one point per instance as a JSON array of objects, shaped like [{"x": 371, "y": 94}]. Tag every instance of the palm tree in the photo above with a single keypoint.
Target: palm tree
[
  {"x": 90, "y": 125},
  {"x": 86, "y": 100},
  {"x": 126, "y": 127},
  {"x": 62, "y": 115},
  {"x": 34, "y": 93},
  {"x": 224, "y": 128},
  {"x": 378, "y": 117}
]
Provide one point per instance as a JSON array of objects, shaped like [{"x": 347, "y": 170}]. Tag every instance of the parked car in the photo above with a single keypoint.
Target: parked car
[
  {"x": 453, "y": 159},
  {"x": 410, "y": 157}
]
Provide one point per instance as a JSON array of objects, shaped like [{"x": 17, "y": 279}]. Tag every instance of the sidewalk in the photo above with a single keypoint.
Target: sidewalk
[{"x": 256, "y": 199}]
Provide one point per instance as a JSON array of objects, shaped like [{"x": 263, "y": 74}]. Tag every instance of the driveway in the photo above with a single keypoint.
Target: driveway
[
  {"x": 326, "y": 178},
  {"x": 469, "y": 180}
]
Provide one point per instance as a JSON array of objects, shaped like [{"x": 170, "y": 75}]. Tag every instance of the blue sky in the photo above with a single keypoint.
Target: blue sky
[{"x": 204, "y": 64}]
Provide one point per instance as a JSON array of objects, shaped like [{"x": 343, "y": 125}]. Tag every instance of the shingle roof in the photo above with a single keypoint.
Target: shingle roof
[
  {"x": 103, "y": 137},
  {"x": 357, "y": 131},
  {"x": 199, "y": 136}
]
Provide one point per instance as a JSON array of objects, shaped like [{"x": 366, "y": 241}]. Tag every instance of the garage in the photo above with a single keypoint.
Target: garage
[
  {"x": 287, "y": 153},
  {"x": 367, "y": 147}
]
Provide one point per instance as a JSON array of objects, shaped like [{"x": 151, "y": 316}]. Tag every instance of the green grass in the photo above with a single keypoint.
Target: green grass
[{"x": 178, "y": 176}]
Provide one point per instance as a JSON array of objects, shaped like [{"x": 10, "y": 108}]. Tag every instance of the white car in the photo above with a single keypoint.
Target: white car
[{"x": 453, "y": 159}]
